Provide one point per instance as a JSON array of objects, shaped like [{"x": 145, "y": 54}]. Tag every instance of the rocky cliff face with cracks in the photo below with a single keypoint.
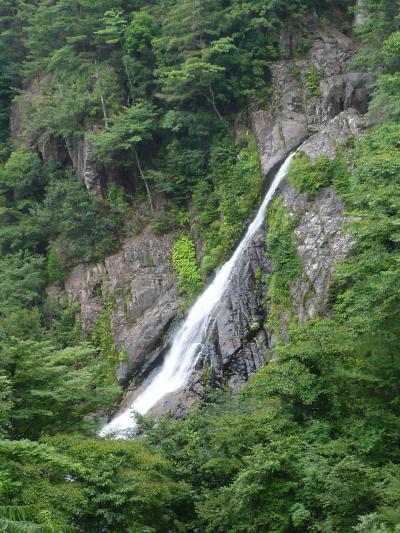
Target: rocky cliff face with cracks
[
  {"x": 313, "y": 96},
  {"x": 316, "y": 105},
  {"x": 76, "y": 150},
  {"x": 139, "y": 285}
]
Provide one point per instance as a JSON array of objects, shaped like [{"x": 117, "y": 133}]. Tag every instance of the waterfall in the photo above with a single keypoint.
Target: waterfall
[{"x": 188, "y": 340}]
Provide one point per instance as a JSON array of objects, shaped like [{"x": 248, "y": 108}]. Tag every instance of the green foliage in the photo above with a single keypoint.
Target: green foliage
[
  {"x": 68, "y": 99},
  {"x": 102, "y": 337},
  {"x": 11, "y": 54},
  {"x": 226, "y": 201},
  {"x": 33, "y": 478},
  {"x": 312, "y": 441},
  {"x": 91, "y": 484},
  {"x": 139, "y": 56},
  {"x": 6, "y": 404},
  {"x": 313, "y": 79},
  {"x": 285, "y": 264},
  {"x": 53, "y": 389},
  {"x": 113, "y": 26},
  {"x": 185, "y": 264},
  {"x": 307, "y": 176},
  {"x": 374, "y": 269},
  {"x": 122, "y": 486},
  {"x": 19, "y": 520},
  {"x": 162, "y": 222},
  {"x": 22, "y": 281},
  {"x": 22, "y": 181},
  {"x": 379, "y": 55},
  {"x": 62, "y": 320},
  {"x": 55, "y": 266},
  {"x": 22, "y": 176},
  {"x": 83, "y": 227},
  {"x": 133, "y": 125}
]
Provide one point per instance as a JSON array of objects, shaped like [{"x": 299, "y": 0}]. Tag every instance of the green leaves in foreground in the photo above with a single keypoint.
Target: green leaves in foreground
[{"x": 52, "y": 390}]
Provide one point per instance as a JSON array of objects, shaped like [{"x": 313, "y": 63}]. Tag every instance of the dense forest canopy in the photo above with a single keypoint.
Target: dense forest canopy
[{"x": 162, "y": 91}]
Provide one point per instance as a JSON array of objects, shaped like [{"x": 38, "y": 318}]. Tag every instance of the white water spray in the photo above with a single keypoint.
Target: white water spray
[{"x": 188, "y": 340}]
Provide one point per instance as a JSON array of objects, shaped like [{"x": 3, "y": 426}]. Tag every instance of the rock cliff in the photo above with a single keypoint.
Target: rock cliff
[
  {"x": 140, "y": 285},
  {"x": 75, "y": 150},
  {"x": 316, "y": 105},
  {"x": 308, "y": 96}
]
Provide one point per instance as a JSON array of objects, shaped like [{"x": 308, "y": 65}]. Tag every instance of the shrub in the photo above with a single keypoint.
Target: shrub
[
  {"x": 307, "y": 176},
  {"x": 285, "y": 262},
  {"x": 184, "y": 259},
  {"x": 55, "y": 266}
]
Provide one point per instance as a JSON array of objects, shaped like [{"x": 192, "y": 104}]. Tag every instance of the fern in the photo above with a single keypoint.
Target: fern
[{"x": 19, "y": 519}]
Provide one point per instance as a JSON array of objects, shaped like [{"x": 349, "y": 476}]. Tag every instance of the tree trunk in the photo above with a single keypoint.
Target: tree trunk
[
  {"x": 103, "y": 105},
  {"x": 213, "y": 100},
  {"x": 129, "y": 80},
  {"x": 144, "y": 179}
]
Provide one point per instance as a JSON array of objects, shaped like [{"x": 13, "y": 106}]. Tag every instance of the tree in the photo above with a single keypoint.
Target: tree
[
  {"x": 84, "y": 227},
  {"x": 134, "y": 125},
  {"x": 22, "y": 281},
  {"x": 114, "y": 25},
  {"x": 34, "y": 493},
  {"x": 139, "y": 58},
  {"x": 11, "y": 56},
  {"x": 22, "y": 176},
  {"x": 53, "y": 389},
  {"x": 5, "y": 404}
]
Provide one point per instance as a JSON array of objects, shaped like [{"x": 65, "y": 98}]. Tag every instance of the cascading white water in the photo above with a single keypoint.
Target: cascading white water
[{"x": 187, "y": 342}]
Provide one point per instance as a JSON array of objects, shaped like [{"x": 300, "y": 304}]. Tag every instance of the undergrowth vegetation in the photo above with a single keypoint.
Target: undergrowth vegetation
[
  {"x": 285, "y": 265},
  {"x": 226, "y": 200},
  {"x": 185, "y": 264}
]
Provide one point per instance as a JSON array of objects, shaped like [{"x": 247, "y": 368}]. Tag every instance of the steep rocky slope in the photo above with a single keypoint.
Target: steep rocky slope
[
  {"x": 140, "y": 284},
  {"x": 316, "y": 105},
  {"x": 313, "y": 120}
]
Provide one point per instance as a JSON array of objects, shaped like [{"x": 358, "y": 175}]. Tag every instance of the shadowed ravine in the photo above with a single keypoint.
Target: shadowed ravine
[{"x": 188, "y": 341}]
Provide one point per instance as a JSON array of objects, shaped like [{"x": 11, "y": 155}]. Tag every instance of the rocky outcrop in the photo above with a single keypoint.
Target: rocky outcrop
[
  {"x": 236, "y": 345},
  {"x": 336, "y": 132},
  {"x": 316, "y": 105},
  {"x": 320, "y": 243},
  {"x": 86, "y": 167},
  {"x": 76, "y": 150},
  {"x": 21, "y": 127},
  {"x": 314, "y": 119},
  {"x": 139, "y": 284},
  {"x": 307, "y": 95}
]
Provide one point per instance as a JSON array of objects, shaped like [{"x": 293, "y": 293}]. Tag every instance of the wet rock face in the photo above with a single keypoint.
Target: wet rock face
[
  {"x": 236, "y": 344},
  {"x": 141, "y": 281},
  {"x": 307, "y": 95},
  {"x": 313, "y": 120},
  {"x": 141, "y": 285}
]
